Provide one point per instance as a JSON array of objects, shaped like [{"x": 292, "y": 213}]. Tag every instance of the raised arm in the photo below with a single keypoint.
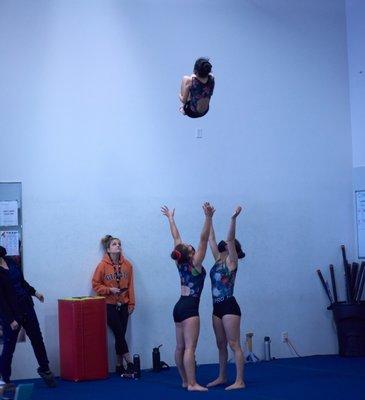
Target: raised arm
[
  {"x": 213, "y": 243},
  {"x": 173, "y": 228},
  {"x": 232, "y": 261},
  {"x": 204, "y": 237}
]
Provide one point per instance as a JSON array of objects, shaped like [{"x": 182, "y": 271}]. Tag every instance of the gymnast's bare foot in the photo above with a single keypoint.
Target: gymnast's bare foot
[
  {"x": 197, "y": 388},
  {"x": 236, "y": 385},
  {"x": 218, "y": 381},
  {"x": 184, "y": 385}
]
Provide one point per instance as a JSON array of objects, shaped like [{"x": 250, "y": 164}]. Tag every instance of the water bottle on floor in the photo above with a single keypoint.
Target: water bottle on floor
[
  {"x": 137, "y": 366},
  {"x": 267, "y": 342}
]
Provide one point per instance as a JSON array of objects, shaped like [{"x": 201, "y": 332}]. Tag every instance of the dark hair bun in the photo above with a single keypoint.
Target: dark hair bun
[
  {"x": 206, "y": 67},
  {"x": 176, "y": 255},
  {"x": 106, "y": 240},
  {"x": 202, "y": 67},
  {"x": 241, "y": 254}
]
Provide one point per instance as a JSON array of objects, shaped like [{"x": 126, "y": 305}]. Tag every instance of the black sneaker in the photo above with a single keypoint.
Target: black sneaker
[
  {"x": 127, "y": 376},
  {"x": 48, "y": 378},
  {"x": 130, "y": 368},
  {"x": 119, "y": 369}
]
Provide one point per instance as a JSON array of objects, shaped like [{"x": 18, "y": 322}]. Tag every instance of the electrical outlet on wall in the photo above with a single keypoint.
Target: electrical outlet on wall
[{"x": 284, "y": 337}]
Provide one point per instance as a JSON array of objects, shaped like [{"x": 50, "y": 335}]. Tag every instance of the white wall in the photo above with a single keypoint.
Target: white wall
[
  {"x": 355, "y": 13},
  {"x": 355, "y": 16},
  {"x": 90, "y": 124}
]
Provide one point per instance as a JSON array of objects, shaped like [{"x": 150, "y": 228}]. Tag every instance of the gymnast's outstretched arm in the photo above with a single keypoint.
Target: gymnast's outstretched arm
[
  {"x": 173, "y": 228},
  {"x": 213, "y": 244},
  {"x": 204, "y": 237},
  {"x": 231, "y": 246}
]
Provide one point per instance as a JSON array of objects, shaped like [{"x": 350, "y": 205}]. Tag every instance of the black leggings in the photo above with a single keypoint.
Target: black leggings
[
  {"x": 29, "y": 321},
  {"x": 117, "y": 318}
]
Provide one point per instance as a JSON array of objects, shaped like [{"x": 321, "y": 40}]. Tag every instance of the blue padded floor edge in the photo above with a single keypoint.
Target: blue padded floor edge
[{"x": 309, "y": 378}]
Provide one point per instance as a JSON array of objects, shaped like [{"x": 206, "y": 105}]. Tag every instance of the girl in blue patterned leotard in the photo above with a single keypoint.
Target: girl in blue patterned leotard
[
  {"x": 222, "y": 281},
  {"x": 226, "y": 311},
  {"x": 197, "y": 89},
  {"x": 191, "y": 278},
  {"x": 186, "y": 310}
]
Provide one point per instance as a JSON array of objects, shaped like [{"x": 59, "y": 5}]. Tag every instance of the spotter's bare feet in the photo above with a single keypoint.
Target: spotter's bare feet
[
  {"x": 236, "y": 385},
  {"x": 217, "y": 382},
  {"x": 197, "y": 388}
]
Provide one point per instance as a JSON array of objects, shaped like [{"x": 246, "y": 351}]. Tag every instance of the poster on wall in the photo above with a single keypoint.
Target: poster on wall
[
  {"x": 9, "y": 213},
  {"x": 10, "y": 240},
  {"x": 360, "y": 221}
]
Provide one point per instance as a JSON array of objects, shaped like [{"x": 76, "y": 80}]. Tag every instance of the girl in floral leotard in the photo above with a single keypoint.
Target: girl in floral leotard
[
  {"x": 226, "y": 311},
  {"x": 186, "y": 310}
]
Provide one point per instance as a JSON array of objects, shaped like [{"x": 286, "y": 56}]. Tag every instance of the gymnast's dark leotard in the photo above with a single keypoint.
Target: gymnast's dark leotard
[{"x": 198, "y": 91}]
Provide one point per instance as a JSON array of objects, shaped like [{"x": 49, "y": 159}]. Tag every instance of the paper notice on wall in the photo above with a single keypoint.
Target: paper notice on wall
[
  {"x": 9, "y": 213},
  {"x": 10, "y": 240}
]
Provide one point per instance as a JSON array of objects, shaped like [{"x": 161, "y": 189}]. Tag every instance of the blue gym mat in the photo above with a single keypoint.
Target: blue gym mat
[{"x": 306, "y": 378}]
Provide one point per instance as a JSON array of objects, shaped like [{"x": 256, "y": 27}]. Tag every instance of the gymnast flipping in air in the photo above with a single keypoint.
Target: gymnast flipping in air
[{"x": 197, "y": 89}]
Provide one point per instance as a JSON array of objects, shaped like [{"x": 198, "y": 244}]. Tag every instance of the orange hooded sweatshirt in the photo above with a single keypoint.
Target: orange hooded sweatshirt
[{"x": 105, "y": 278}]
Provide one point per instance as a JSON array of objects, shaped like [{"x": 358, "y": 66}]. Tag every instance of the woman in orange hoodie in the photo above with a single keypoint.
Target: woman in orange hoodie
[{"x": 113, "y": 279}]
